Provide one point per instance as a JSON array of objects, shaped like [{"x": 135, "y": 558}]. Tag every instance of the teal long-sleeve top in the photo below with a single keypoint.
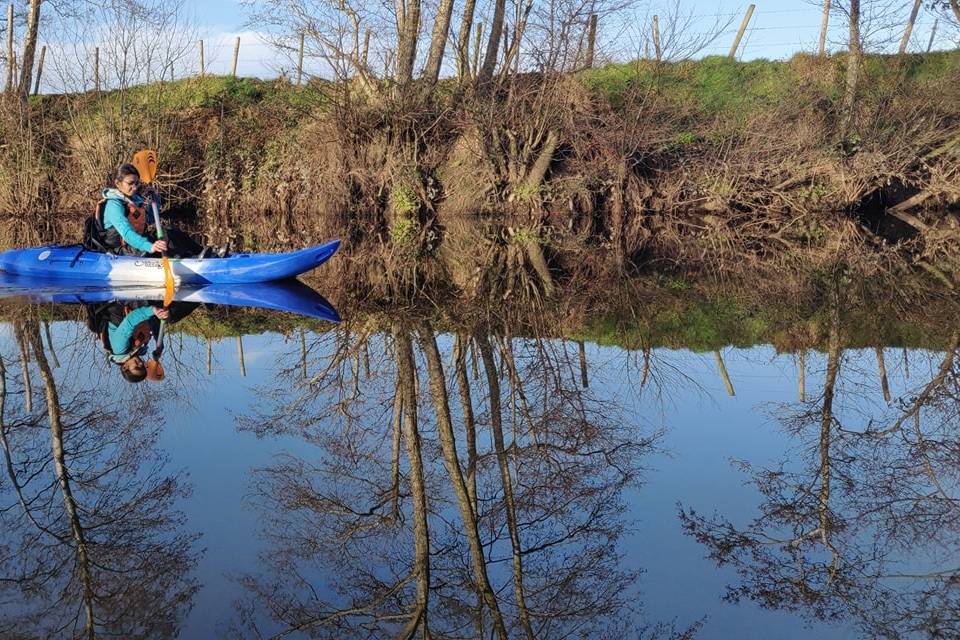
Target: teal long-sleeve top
[
  {"x": 121, "y": 335},
  {"x": 115, "y": 215}
]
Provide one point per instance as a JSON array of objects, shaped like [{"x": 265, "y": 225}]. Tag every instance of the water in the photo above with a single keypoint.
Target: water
[{"x": 253, "y": 497}]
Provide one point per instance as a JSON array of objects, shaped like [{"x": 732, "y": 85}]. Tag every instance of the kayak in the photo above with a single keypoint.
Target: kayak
[
  {"x": 77, "y": 264},
  {"x": 291, "y": 296}
]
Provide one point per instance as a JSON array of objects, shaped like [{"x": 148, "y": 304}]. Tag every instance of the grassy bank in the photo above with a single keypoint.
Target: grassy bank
[
  {"x": 541, "y": 184},
  {"x": 697, "y": 320}
]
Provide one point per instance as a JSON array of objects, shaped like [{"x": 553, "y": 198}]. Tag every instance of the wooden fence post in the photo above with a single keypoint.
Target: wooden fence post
[
  {"x": 656, "y": 38},
  {"x": 96, "y": 69},
  {"x": 201, "y": 59},
  {"x": 300, "y": 62},
  {"x": 933, "y": 34},
  {"x": 303, "y": 345},
  {"x": 9, "y": 86},
  {"x": 824, "y": 23},
  {"x": 582, "y": 352},
  {"x": 802, "y": 376},
  {"x": 905, "y": 40},
  {"x": 591, "y": 41},
  {"x": 236, "y": 54},
  {"x": 243, "y": 366},
  {"x": 740, "y": 31},
  {"x": 36, "y": 84},
  {"x": 723, "y": 374}
]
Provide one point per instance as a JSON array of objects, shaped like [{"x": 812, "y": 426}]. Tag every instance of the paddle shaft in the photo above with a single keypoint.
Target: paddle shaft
[{"x": 156, "y": 219}]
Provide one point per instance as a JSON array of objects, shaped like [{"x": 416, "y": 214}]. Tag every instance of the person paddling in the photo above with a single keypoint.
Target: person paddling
[
  {"x": 125, "y": 214},
  {"x": 126, "y": 217}
]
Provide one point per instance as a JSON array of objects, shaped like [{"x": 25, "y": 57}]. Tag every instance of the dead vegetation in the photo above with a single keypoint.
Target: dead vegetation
[{"x": 535, "y": 184}]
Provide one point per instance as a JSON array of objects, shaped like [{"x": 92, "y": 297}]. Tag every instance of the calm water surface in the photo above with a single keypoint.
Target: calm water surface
[{"x": 357, "y": 480}]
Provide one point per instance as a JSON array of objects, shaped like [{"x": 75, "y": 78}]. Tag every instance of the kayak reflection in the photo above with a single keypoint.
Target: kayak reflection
[{"x": 291, "y": 296}]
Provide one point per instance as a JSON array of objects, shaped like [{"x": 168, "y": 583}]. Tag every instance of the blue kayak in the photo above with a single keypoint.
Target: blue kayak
[
  {"x": 76, "y": 264},
  {"x": 291, "y": 296}
]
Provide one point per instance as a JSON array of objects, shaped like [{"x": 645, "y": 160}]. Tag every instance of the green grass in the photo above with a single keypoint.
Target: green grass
[{"x": 717, "y": 85}]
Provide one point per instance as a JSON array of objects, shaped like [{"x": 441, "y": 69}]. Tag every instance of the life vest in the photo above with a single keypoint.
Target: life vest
[
  {"x": 99, "y": 319},
  {"x": 137, "y": 216}
]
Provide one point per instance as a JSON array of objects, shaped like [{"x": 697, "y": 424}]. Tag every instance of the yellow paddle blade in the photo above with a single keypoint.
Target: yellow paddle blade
[
  {"x": 155, "y": 371},
  {"x": 146, "y": 162},
  {"x": 167, "y": 282}
]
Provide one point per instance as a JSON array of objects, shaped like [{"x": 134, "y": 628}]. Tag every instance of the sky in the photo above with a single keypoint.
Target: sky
[{"x": 777, "y": 30}]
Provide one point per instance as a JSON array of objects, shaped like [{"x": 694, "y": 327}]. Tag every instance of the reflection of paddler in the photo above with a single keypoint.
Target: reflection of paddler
[
  {"x": 129, "y": 332},
  {"x": 126, "y": 330}
]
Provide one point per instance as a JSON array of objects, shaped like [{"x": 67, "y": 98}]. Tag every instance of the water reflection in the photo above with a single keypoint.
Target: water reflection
[
  {"x": 863, "y": 524},
  {"x": 498, "y": 514},
  {"x": 90, "y": 542},
  {"x": 462, "y": 481}
]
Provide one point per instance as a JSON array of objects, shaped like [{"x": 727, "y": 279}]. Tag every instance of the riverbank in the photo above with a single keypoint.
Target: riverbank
[
  {"x": 669, "y": 313},
  {"x": 710, "y": 169}
]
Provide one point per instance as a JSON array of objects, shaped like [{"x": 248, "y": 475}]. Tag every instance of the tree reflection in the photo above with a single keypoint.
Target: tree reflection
[
  {"x": 89, "y": 546},
  {"x": 865, "y": 527},
  {"x": 513, "y": 495}
]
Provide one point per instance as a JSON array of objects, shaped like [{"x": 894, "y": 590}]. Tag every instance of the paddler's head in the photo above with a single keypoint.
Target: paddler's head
[
  {"x": 126, "y": 180},
  {"x": 133, "y": 369}
]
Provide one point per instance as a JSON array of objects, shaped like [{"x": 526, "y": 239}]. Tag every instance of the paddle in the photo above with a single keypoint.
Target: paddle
[
  {"x": 145, "y": 161},
  {"x": 154, "y": 368}
]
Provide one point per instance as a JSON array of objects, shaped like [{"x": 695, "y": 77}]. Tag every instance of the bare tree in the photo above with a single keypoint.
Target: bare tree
[
  {"x": 438, "y": 41},
  {"x": 837, "y": 537},
  {"x": 571, "y": 460},
  {"x": 489, "y": 65},
  {"x": 854, "y": 62},
  {"x": 98, "y": 551}
]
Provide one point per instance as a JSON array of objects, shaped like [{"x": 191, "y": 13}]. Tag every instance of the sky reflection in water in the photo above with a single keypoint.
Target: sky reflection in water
[{"x": 234, "y": 503}]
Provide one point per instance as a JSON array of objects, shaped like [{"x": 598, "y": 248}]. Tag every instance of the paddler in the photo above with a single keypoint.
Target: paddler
[{"x": 125, "y": 213}]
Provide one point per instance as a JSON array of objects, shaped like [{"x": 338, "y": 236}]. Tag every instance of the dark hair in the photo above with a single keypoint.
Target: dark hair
[
  {"x": 122, "y": 172},
  {"x": 133, "y": 374}
]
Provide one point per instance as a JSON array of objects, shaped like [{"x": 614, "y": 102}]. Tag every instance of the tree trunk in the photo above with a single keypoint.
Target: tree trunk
[
  {"x": 463, "y": 40},
  {"x": 905, "y": 40},
  {"x": 24, "y": 349},
  {"x": 496, "y": 424},
  {"x": 824, "y": 24},
  {"x": 460, "y": 345},
  {"x": 421, "y": 533},
  {"x": 826, "y": 423},
  {"x": 408, "y": 27},
  {"x": 9, "y": 85},
  {"x": 438, "y": 42},
  {"x": 395, "y": 453},
  {"x": 438, "y": 391},
  {"x": 469, "y": 423},
  {"x": 485, "y": 73},
  {"x": 854, "y": 58},
  {"x": 955, "y": 5},
  {"x": 63, "y": 477}
]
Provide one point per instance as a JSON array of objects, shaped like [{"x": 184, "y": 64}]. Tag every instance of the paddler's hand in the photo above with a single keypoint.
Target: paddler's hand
[
  {"x": 159, "y": 246},
  {"x": 161, "y": 313}
]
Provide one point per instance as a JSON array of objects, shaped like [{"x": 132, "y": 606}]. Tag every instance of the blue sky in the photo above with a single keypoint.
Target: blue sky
[{"x": 778, "y": 29}]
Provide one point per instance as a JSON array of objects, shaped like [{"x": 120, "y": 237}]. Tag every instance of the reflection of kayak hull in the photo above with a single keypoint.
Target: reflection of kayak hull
[
  {"x": 89, "y": 267},
  {"x": 284, "y": 295}
]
